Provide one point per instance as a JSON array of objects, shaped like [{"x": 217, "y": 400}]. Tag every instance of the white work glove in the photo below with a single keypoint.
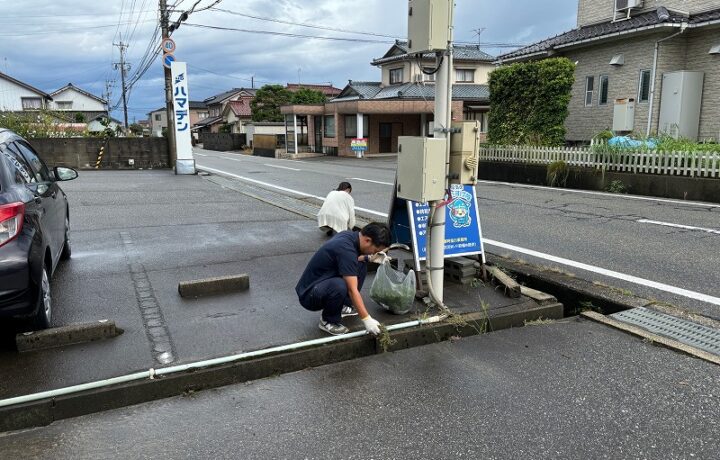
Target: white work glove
[
  {"x": 371, "y": 325},
  {"x": 380, "y": 258},
  {"x": 471, "y": 163}
]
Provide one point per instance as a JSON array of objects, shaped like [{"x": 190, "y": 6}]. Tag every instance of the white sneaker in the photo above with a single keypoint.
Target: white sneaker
[
  {"x": 348, "y": 311},
  {"x": 331, "y": 328}
]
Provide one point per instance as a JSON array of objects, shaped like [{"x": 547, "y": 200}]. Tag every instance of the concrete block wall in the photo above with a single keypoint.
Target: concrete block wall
[
  {"x": 82, "y": 153},
  {"x": 223, "y": 141}
]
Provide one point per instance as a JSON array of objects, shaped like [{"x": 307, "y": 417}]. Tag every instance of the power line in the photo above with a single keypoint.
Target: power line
[
  {"x": 303, "y": 24},
  {"x": 287, "y": 34},
  {"x": 56, "y": 31}
]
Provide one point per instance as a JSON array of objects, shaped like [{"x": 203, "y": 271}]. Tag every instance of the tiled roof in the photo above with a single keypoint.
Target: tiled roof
[
  {"x": 198, "y": 105},
  {"x": 209, "y": 121},
  {"x": 26, "y": 86},
  {"x": 222, "y": 96},
  {"x": 79, "y": 90},
  {"x": 240, "y": 108},
  {"x": 642, "y": 21},
  {"x": 373, "y": 91},
  {"x": 399, "y": 52}
]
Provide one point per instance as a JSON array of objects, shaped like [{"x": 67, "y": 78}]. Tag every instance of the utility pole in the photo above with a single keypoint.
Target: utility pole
[
  {"x": 443, "y": 119},
  {"x": 164, "y": 27},
  {"x": 123, "y": 71},
  {"x": 108, "y": 94}
]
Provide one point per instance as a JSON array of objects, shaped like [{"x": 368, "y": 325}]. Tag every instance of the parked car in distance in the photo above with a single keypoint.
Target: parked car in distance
[{"x": 34, "y": 230}]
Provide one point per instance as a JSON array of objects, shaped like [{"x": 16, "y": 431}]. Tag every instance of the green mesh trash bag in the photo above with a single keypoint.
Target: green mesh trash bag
[{"x": 393, "y": 289}]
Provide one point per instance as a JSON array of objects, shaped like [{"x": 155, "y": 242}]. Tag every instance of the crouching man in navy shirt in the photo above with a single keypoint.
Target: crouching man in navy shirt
[{"x": 334, "y": 276}]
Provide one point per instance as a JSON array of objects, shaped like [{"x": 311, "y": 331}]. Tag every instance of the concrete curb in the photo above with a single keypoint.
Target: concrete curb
[
  {"x": 216, "y": 285},
  {"x": 66, "y": 335},
  {"x": 44, "y": 412}
]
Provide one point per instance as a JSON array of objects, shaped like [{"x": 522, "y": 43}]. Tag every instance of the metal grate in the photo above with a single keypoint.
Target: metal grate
[{"x": 684, "y": 331}]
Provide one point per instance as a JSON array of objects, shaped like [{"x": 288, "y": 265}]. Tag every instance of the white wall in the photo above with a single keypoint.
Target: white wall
[
  {"x": 96, "y": 126},
  {"x": 11, "y": 94},
  {"x": 80, "y": 102}
]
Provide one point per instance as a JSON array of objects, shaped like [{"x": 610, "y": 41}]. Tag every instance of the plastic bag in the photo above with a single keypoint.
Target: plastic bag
[{"x": 393, "y": 289}]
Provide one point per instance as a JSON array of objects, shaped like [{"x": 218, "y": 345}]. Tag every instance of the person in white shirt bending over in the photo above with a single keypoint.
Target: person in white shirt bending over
[{"x": 338, "y": 212}]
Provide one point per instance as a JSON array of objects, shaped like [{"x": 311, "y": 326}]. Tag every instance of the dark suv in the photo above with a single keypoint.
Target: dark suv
[{"x": 34, "y": 230}]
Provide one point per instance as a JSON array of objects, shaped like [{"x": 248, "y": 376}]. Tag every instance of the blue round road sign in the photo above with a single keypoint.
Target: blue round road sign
[{"x": 168, "y": 58}]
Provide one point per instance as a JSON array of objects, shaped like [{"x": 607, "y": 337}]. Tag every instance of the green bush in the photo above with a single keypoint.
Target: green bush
[{"x": 529, "y": 102}]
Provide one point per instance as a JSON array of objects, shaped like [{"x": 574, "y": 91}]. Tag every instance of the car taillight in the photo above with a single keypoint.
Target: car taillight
[{"x": 11, "y": 221}]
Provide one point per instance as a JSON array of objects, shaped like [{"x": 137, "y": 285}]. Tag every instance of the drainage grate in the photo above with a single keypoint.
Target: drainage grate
[{"x": 681, "y": 330}]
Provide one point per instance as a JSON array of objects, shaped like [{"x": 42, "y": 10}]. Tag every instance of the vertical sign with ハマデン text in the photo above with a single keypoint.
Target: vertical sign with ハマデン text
[{"x": 181, "y": 122}]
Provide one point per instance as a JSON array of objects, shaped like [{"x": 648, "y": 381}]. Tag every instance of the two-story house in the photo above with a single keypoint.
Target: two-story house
[
  {"x": 217, "y": 114},
  {"x": 400, "y": 104},
  {"x": 157, "y": 119},
  {"x": 17, "y": 96},
  {"x": 76, "y": 104},
  {"x": 644, "y": 66}
]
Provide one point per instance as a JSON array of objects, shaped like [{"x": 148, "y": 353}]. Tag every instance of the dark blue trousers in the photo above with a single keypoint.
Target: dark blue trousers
[{"x": 330, "y": 295}]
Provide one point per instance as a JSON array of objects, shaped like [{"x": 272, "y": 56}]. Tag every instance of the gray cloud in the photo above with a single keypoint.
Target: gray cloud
[{"x": 50, "y": 43}]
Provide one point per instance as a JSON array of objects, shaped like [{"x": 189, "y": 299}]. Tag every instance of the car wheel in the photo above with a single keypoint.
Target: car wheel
[
  {"x": 43, "y": 317},
  {"x": 67, "y": 250}
]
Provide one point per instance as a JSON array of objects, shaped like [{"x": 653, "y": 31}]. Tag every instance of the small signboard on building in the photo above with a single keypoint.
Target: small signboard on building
[{"x": 359, "y": 146}]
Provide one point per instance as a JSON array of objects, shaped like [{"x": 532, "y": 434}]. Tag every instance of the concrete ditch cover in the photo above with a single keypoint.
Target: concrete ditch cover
[{"x": 684, "y": 331}]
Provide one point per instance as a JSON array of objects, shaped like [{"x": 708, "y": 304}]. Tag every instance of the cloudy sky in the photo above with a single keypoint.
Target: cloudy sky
[{"x": 48, "y": 43}]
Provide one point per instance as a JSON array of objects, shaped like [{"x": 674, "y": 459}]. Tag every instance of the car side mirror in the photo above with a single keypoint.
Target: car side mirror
[{"x": 63, "y": 173}]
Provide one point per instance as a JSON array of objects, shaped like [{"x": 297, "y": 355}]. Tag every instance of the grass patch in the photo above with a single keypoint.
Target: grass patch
[{"x": 385, "y": 340}]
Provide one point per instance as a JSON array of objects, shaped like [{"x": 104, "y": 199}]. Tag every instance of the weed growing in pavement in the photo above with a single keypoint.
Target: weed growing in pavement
[
  {"x": 587, "y": 305},
  {"x": 538, "y": 322},
  {"x": 385, "y": 340},
  {"x": 616, "y": 186}
]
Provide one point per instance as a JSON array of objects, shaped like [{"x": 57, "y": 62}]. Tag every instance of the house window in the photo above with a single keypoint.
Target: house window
[
  {"x": 202, "y": 115},
  {"x": 464, "y": 75},
  {"x": 604, "y": 82},
  {"x": 64, "y": 105},
  {"x": 351, "y": 126},
  {"x": 329, "y": 123},
  {"x": 31, "y": 103},
  {"x": 396, "y": 76},
  {"x": 589, "y": 87},
  {"x": 644, "y": 86},
  {"x": 428, "y": 77},
  {"x": 157, "y": 117}
]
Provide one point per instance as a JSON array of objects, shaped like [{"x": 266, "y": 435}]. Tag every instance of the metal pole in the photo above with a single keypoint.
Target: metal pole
[
  {"x": 169, "y": 113},
  {"x": 443, "y": 101}
]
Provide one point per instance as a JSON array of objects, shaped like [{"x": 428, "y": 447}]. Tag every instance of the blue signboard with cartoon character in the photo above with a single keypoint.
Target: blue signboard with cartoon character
[{"x": 463, "y": 235}]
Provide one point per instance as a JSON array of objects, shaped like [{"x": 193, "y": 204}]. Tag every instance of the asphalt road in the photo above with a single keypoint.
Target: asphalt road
[
  {"x": 661, "y": 249},
  {"x": 567, "y": 390}
]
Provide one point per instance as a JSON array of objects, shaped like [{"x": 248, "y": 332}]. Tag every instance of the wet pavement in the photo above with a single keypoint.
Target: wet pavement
[
  {"x": 567, "y": 390},
  {"x": 135, "y": 235}
]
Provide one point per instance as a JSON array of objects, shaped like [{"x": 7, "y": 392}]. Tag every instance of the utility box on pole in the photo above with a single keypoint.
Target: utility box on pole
[
  {"x": 421, "y": 169},
  {"x": 464, "y": 152},
  {"x": 428, "y": 25}
]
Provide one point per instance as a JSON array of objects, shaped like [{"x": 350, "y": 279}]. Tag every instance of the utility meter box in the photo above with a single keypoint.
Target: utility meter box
[
  {"x": 464, "y": 145},
  {"x": 428, "y": 25},
  {"x": 421, "y": 168},
  {"x": 624, "y": 115}
]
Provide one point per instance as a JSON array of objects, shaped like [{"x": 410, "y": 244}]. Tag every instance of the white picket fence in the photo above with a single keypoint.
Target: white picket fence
[{"x": 694, "y": 164}]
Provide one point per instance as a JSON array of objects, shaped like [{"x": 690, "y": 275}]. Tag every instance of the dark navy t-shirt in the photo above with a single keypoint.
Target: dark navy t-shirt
[{"x": 336, "y": 258}]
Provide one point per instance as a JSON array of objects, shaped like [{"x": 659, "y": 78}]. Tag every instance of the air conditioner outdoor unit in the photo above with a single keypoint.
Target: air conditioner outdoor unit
[{"x": 621, "y": 5}]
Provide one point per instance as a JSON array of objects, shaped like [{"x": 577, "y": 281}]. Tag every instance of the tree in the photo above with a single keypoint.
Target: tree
[
  {"x": 79, "y": 117},
  {"x": 529, "y": 102},
  {"x": 308, "y": 96},
  {"x": 267, "y": 102},
  {"x": 136, "y": 129}
]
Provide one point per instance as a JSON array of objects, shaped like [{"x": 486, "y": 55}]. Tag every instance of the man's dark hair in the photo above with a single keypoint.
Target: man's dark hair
[
  {"x": 344, "y": 186},
  {"x": 378, "y": 233}
]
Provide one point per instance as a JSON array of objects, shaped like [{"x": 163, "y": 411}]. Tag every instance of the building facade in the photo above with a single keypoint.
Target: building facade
[
  {"x": 633, "y": 57},
  {"x": 400, "y": 104},
  {"x": 17, "y": 96}
]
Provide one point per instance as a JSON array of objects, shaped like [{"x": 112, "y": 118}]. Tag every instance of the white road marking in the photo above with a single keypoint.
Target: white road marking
[
  {"x": 281, "y": 167},
  {"x": 530, "y": 252},
  {"x": 200, "y": 154},
  {"x": 373, "y": 181},
  {"x": 685, "y": 227},
  {"x": 225, "y": 173},
  {"x": 614, "y": 195}
]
